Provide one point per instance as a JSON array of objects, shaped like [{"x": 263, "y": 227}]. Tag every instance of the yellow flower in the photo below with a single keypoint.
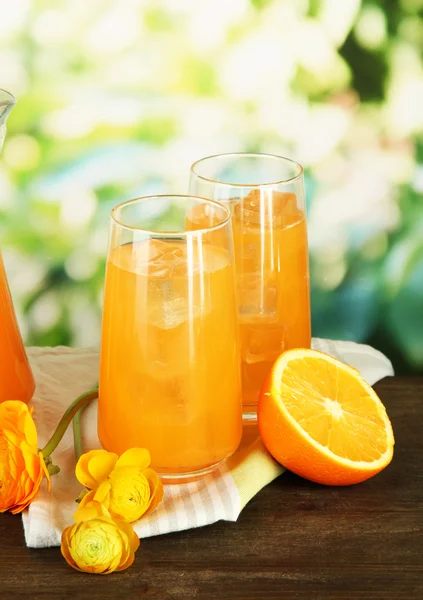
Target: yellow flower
[
  {"x": 124, "y": 485},
  {"x": 97, "y": 543},
  {"x": 22, "y": 465}
]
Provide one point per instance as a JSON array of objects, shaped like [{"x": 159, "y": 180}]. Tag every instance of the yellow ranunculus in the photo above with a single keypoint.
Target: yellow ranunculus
[
  {"x": 97, "y": 543},
  {"x": 22, "y": 466},
  {"x": 124, "y": 485}
]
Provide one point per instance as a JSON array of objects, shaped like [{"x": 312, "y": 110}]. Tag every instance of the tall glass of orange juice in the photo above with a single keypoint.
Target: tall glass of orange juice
[
  {"x": 265, "y": 194},
  {"x": 170, "y": 376}
]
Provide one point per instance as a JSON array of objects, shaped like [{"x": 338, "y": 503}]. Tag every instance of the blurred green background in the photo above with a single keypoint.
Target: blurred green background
[{"x": 116, "y": 99}]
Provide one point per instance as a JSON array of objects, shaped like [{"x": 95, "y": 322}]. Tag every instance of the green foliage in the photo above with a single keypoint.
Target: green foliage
[
  {"x": 369, "y": 70},
  {"x": 117, "y": 100}
]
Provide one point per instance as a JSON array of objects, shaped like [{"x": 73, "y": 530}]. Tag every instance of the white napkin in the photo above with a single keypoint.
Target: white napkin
[{"x": 61, "y": 374}]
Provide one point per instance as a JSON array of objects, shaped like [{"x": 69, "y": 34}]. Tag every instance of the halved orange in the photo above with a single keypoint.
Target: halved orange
[{"x": 321, "y": 420}]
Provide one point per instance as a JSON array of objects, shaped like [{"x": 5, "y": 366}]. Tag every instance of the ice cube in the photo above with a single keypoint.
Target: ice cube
[
  {"x": 179, "y": 284},
  {"x": 257, "y": 298},
  {"x": 202, "y": 216},
  {"x": 266, "y": 208},
  {"x": 175, "y": 391},
  {"x": 173, "y": 313},
  {"x": 167, "y": 261},
  {"x": 155, "y": 257},
  {"x": 163, "y": 345},
  {"x": 262, "y": 344},
  {"x": 176, "y": 400}
]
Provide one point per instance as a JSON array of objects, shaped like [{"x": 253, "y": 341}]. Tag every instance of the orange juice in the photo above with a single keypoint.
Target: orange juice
[
  {"x": 16, "y": 381},
  {"x": 169, "y": 375},
  {"x": 271, "y": 254}
]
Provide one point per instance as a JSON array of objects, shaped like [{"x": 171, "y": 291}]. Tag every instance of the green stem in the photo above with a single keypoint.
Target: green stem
[
  {"x": 80, "y": 402},
  {"x": 77, "y": 439}
]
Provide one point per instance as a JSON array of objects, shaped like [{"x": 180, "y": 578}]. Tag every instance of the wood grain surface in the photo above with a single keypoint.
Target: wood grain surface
[{"x": 294, "y": 540}]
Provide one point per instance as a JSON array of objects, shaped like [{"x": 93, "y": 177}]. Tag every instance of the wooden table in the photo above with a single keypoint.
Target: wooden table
[{"x": 294, "y": 540}]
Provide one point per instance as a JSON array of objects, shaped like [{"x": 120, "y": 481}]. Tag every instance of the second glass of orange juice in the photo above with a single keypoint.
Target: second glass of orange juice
[
  {"x": 170, "y": 364},
  {"x": 265, "y": 194}
]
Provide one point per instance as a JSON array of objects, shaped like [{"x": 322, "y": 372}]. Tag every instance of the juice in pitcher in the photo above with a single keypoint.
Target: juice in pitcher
[{"x": 16, "y": 381}]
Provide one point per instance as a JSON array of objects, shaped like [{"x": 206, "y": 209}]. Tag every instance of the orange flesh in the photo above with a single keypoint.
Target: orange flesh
[
  {"x": 321, "y": 420},
  {"x": 333, "y": 406}
]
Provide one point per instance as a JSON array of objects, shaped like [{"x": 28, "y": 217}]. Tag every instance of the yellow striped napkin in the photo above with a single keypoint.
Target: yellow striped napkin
[{"x": 62, "y": 373}]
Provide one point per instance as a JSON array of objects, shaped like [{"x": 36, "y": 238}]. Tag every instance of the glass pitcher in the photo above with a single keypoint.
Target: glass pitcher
[{"x": 16, "y": 381}]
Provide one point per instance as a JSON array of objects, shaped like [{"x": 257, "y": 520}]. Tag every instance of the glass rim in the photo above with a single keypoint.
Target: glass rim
[
  {"x": 296, "y": 177},
  {"x": 10, "y": 96},
  {"x": 180, "y": 233}
]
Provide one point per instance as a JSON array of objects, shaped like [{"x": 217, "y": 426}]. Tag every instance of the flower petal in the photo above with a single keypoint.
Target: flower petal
[
  {"x": 45, "y": 470},
  {"x": 81, "y": 470},
  {"x": 133, "y": 539},
  {"x": 30, "y": 431},
  {"x": 156, "y": 489},
  {"x": 32, "y": 460},
  {"x": 12, "y": 414},
  {"x": 13, "y": 436},
  {"x": 91, "y": 510},
  {"x": 130, "y": 557},
  {"x": 102, "y": 492},
  {"x": 102, "y": 465},
  {"x": 89, "y": 497},
  {"x": 134, "y": 457},
  {"x": 65, "y": 545}
]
